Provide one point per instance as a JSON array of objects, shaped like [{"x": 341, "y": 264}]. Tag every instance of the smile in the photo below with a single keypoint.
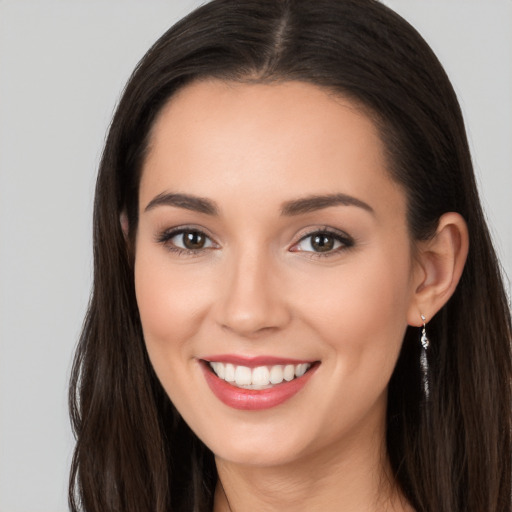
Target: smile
[
  {"x": 261, "y": 377},
  {"x": 255, "y": 385}
]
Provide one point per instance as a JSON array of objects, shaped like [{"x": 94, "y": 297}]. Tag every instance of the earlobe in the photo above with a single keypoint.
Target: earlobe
[
  {"x": 442, "y": 260},
  {"x": 123, "y": 221}
]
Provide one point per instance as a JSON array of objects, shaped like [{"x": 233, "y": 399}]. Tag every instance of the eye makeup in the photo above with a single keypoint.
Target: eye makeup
[
  {"x": 323, "y": 242},
  {"x": 318, "y": 242},
  {"x": 186, "y": 240}
]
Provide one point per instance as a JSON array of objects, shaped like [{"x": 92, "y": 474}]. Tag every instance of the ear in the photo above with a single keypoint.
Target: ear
[
  {"x": 125, "y": 227},
  {"x": 440, "y": 261}
]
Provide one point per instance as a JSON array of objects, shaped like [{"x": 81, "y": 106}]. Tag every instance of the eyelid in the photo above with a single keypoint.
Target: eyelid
[
  {"x": 166, "y": 235},
  {"x": 346, "y": 241}
]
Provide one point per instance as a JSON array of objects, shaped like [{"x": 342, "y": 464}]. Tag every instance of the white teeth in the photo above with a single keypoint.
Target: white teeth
[
  {"x": 289, "y": 372},
  {"x": 243, "y": 376},
  {"x": 276, "y": 374},
  {"x": 260, "y": 377},
  {"x": 219, "y": 369},
  {"x": 229, "y": 372},
  {"x": 300, "y": 369}
]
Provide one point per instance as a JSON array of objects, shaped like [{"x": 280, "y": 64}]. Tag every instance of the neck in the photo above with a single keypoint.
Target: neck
[{"x": 356, "y": 477}]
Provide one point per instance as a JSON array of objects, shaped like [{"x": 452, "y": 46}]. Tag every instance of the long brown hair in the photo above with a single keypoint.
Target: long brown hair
[{"x": 450, "y": 453}]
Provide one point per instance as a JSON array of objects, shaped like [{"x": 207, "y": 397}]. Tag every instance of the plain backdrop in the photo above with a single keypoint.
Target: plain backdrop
[{"x": 63, "y": 64}]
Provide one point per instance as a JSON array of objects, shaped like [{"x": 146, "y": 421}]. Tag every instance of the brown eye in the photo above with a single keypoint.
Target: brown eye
[
  {"x": 185, "y": 241},
  {"x": 322, "y": 242},
  {"x": 194, "y": 240}
]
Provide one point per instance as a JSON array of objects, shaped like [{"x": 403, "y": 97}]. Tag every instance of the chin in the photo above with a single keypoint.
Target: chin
[{"x": 262, "y": 445}]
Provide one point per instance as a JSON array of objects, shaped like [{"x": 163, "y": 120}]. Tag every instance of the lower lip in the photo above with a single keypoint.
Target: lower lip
[{"x": 252, "y": 399}]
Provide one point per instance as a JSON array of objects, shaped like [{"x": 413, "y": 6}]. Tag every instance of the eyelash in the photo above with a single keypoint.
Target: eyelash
[
  {"x": 345, "y": 241},
  {"x": 166, "y": 237}
]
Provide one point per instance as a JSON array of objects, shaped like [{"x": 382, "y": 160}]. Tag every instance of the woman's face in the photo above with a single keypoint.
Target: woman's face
[{"x": 272, "y": 241}]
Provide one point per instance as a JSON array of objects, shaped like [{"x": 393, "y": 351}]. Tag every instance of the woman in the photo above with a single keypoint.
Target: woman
[{"x": 296, "y": 302}]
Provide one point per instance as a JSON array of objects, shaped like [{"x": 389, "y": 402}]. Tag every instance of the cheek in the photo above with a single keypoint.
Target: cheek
[
  {"x": 361, "y": 320},
  {"x": 169, "y": 304},
  {"x": 361, "y": 308}
]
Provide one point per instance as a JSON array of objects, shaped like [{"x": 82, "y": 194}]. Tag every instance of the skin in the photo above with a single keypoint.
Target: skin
[{"x": 259, "y": 288}]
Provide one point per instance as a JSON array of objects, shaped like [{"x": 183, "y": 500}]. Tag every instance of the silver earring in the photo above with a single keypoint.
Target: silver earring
[{"x": 425, "y": 343}]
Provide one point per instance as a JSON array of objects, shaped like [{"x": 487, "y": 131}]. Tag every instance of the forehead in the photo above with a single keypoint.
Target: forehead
[{"x": 264, "y": 140}]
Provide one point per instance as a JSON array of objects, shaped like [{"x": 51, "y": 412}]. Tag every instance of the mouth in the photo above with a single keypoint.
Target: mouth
[
  {"x": 260, "y": 377},
  {"x": 254, "y": 385}
]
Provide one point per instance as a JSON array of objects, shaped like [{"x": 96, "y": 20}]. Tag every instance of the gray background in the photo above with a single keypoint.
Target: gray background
[{"x": 62, "y": 67}]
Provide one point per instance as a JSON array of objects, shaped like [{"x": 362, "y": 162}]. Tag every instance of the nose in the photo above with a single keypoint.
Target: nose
[{"x": 253, "y": 299}]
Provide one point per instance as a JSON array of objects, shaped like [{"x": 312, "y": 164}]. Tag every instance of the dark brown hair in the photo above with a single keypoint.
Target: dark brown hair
[{"x": 453, "y": 453}]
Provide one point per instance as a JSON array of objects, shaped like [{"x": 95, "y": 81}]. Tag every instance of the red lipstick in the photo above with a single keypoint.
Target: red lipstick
[{"x": 252, "y": 399}]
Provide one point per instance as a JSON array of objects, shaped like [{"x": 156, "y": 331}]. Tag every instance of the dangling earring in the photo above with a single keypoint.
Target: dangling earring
[{"x": 425, "y": 343}]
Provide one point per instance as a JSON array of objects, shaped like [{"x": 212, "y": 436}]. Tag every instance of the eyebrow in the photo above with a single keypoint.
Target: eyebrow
[
  {"x": 313, "y": 203},
  {"x": 186, "y": 201},
  {"x": 289, "y": 208}
]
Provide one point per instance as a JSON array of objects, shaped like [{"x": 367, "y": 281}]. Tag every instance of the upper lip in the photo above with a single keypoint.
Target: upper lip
[{"x": 254, "y": 361}]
